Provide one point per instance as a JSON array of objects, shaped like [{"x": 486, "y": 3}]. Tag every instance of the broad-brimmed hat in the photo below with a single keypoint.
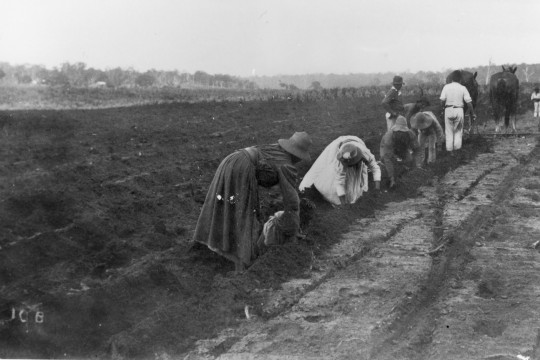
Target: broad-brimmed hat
[
  {"x": 298, "y": 145},
  {"x": 401, "y": 124},
  {"x": 421, "y": 121},
  {"x": 349, "y": 154},
  {"x": 398, "y": 80}
]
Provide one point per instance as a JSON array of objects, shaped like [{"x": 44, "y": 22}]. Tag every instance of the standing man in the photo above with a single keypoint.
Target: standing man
[
  {"x": 535, "y": 98},
  {"x": 453, "y": 98},
  {"x": 392, "y": 102}
]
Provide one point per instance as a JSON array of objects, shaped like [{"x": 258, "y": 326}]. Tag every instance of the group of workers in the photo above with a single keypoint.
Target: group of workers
[
  {"x": 230, "y": 221},
  {"x": 410, "y": 130}
]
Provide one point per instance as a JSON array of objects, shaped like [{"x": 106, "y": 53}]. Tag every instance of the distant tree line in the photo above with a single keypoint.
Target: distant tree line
[
  {"x": 79, "y": 75},
  {"x": 527, "y": 73}
]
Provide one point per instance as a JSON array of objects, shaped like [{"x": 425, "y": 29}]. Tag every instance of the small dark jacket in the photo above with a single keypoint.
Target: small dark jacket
[{"x": 392, "y": 102}]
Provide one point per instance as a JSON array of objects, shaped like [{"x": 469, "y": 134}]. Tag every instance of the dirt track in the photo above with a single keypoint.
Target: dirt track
[{"x": 393, "y": 297}]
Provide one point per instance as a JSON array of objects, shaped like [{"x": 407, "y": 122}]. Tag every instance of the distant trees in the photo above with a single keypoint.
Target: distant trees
[
  {"x": 528, "y": 73},
  {"x": 23, "y": 78},
  {"x": 93, "y": 76},
  {"x": 291, "y": 87},
  {"x": 145, "y": 80},
  {"x": 56, "y": 78},
  {"x": 116, "y": 77},
  {"x": 375, "y": 81},
  {"x": 79, "y": 75},
  {"x": 202, "y": 78},
  {"x": 488, "y": 72},
  {"x": 223, "y": 80},
  {"x": 168, "y": 78},
  {"x": 75, "y": 73},
  {"x": 315, "y": 85}
]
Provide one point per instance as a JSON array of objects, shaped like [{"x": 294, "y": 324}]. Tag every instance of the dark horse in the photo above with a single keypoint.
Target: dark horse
[
  {"x": 504, "y": 94},
  {"x": 468, "y": 79}
]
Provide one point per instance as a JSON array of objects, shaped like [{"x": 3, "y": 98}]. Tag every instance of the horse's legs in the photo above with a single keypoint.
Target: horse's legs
[
  {"x": 498, "y": 116},
  {"x": 507, "y": 112},
  {"x": 497, "y": 126},
  {"x": 474, "y": 125},
  {"x": 514, "y": 121}
]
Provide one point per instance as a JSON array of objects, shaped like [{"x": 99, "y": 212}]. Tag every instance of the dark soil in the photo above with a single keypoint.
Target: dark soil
[{"x": 97, "y": 210}]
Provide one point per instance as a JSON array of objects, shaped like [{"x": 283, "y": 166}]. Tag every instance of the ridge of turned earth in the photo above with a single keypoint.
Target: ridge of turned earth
[{"x": 452, "y": 274}]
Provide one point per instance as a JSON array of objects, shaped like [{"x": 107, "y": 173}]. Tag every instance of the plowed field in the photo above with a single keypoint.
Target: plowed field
[{"x": 97, "y": 209}]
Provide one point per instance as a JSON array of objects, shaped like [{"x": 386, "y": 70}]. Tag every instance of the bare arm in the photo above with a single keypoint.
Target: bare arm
[
  {"x": 415, "y": 148},
  {"x": 471, "y": 109},
  {"x": 375, "y": 170}
]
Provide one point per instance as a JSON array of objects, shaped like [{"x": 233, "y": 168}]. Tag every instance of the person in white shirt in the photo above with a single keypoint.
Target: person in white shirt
[
  {"x": 453, "y": 98},
  {"x": 340, "y": 173},
  {"x": 535, "y": 97}
]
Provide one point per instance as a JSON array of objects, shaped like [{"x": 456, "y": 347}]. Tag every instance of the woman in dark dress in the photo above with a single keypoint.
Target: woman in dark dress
[{"x": 229, "y": 222}]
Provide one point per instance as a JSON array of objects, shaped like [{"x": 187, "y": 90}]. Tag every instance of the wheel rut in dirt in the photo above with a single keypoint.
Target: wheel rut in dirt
[
  {"x": 411, "y": 336},
  {"x": 488, "y": 310},
  {"x": 380, "y": 301}
]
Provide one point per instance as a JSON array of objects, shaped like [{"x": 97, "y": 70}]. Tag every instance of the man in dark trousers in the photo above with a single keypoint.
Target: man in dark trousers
[{"x": 392, "y": 102}]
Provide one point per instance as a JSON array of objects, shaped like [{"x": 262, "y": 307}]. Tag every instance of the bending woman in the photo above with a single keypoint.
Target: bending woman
[
  {"x": 399, "y": 145},
  {"x": 340, "y": 173},
  {"x": 229, "y": 222}
]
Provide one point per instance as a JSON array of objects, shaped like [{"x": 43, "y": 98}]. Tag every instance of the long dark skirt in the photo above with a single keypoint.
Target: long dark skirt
[{"x": 229, "y": 216}]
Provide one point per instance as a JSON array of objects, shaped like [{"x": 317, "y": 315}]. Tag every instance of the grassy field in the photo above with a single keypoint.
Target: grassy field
[{"x": 65, "y": 97}]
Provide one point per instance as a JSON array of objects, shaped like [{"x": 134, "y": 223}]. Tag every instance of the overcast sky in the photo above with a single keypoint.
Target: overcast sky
[{"x": 271, "y": 37}]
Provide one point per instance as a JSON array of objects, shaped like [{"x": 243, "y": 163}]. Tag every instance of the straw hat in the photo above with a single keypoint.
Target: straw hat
[
  {"x": 401, "y": 124},
  {"x": 298, "y": 145},
  {"x": 421, "y": 121},
  {"x": 349, "y": 154}
]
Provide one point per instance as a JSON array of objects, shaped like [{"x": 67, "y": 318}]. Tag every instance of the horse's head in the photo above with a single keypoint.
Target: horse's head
[
  {"x": 468, "y": 79},
  {"x": 454, "y": 76}
]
